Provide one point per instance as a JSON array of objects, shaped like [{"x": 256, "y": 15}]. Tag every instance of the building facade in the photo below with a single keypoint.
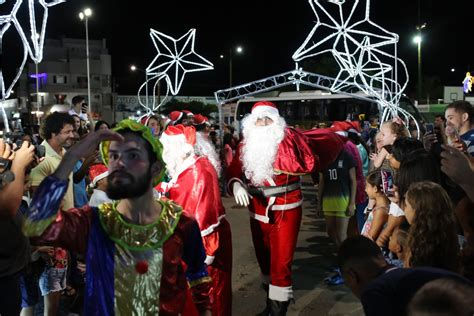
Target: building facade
[{"x": 63, "y": 74}]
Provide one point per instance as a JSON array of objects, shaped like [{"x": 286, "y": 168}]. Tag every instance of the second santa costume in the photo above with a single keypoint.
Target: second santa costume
[{"x": 194, "y": 185}]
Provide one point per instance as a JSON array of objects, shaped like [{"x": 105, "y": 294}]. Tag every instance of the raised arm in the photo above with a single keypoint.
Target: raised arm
[
  {"x": 42, "y": 217},
  {"x": 379, "y": 158}
]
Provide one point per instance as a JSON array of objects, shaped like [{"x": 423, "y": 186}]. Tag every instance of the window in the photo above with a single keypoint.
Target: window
[
  {"x": 58, "y": 79},
  {"x": 82, "y": 82}
]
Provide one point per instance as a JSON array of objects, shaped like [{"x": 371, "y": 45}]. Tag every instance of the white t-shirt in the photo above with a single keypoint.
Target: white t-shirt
[{"x": 395, "y": 210}]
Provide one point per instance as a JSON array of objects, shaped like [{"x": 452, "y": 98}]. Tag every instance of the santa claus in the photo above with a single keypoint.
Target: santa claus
[
  {"x": 265, "y": 176},
  {"x": 194, "y": 185},
  {"x": 204, "y": 146}
]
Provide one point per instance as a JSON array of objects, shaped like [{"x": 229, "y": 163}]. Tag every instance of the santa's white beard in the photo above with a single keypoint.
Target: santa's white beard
[
  {"x": 174, "y": 154},
  {"x": 205, "y": 148},
  {"x": 260, "y": 149}
]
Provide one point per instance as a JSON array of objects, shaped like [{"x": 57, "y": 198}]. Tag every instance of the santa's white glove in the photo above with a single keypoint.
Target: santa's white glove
[
  {"x": 242, "y": 197},
  {"x": 209, "y": 260}
]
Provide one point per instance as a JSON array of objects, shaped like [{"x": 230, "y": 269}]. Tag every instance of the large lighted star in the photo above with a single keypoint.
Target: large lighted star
[
  {"x": 32, "y": 44},
  {"x": 358, "y": 45},
  {"x": 37, "y": 35},
  {"x": 337, "y": 27},
  {"x": 175, "y": 58}
]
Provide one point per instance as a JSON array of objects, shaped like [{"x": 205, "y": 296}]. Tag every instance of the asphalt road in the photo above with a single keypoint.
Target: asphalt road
[{"x": 313, "y": 258}]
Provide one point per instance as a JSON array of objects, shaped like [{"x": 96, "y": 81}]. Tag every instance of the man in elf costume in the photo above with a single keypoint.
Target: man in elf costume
[
  {"x": 194, "y": 185},
  {"x": 137, "y": 247}
]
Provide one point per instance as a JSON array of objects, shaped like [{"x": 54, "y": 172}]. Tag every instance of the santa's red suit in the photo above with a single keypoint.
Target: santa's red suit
[
  {"x": 195, "y": 187},
  {"x": 276, "y": 205},
  {"x": 275, "y": 219}
]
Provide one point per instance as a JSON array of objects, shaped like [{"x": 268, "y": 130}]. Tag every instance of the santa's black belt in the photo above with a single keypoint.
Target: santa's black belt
[{"x": 273, "y": 191}]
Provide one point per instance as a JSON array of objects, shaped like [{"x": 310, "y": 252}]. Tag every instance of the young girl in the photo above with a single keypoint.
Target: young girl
[
  {"x": 378, "y": 216},
  {"x": 389, "y": 132},
  {"x": 432, "y": 239}
]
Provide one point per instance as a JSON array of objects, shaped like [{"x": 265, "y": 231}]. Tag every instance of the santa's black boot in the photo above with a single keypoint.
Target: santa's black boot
[{"x": 278, "y": 308}]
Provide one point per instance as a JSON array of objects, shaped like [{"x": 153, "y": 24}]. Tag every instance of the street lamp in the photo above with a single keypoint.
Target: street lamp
[
  {"x": 135, "y": 68},
  {"x": 84, "y": 16},
  {"x": 417, "y": 40},
  {"x": 238, "y": 50}
]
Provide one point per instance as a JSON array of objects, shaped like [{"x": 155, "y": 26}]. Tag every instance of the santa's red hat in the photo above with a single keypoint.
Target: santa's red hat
[
  {"x": 265, "y": 108},
  {"x": 188, "y": 113},
  {"x": 344, "y": 127},
  {"x": 186, "y": 133},
  {"x": 200, "y": 122},
  {"x": 175, "y": 116},
  {"x": 144, "y": 119},
  {"x": 98, "y": 172}
]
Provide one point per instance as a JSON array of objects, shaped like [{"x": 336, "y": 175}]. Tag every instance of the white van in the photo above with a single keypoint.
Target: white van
[{"x": 308, "y": 108}]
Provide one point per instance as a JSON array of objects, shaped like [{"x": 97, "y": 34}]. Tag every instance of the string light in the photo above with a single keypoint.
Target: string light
[
  {"x": 175, "y": 58},
  {"x": 32, "y": 45}
]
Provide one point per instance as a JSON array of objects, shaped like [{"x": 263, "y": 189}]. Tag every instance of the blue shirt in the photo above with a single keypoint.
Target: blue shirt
[
  {"x": 365, "y": 159},
  {"x": 468, "y": 138},
  {"x": 80, "y": 194}
]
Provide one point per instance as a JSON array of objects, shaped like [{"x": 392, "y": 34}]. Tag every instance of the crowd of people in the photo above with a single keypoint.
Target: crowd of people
[{"x": 127, "y": 218}]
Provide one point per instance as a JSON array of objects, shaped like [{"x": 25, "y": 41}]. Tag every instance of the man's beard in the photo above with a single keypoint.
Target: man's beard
[
  {"x": 260, "y": 149},
  {"x": 134, "y": 189}
]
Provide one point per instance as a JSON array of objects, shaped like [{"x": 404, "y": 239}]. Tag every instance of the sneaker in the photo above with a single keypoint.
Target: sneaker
[{"x": 336, "y": 279}]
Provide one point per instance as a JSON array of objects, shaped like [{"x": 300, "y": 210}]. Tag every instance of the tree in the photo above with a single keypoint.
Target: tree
[{"x": 194, "y": 106}]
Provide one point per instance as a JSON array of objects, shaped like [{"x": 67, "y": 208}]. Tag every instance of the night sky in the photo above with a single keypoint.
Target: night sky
[{"x": 269, "y": 31}]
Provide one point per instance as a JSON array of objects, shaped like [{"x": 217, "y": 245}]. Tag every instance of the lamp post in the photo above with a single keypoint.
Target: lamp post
[
  {"x": 84, "y": 16},
  {"x": 417, "y": 40},
  {"x": 135, "y": 68},
  {"x": 238, "y": 50}
]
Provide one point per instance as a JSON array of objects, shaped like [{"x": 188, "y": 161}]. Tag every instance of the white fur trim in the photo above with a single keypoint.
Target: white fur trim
[
  {"x": 99, "y": 177},
  {"x": 342, "y": 133},
  {"x": 260, "y": 218},
  {"x": 272, "y": 199},
  {"x": 261, "y": 110},
  {"x": 209, "y": 260},
  {"x": 284, "y": 207},
  {"x": 281, "y": 294},
  {"x": 211, "y": 228},
  {"x": 173, "y": 138}
]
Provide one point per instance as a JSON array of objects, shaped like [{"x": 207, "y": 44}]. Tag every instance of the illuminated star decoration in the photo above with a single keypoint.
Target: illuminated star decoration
[
  {"x": 34, "y": 49},
  {"x": 360, "y": 48},
  {"x": 175, "y": 58}
]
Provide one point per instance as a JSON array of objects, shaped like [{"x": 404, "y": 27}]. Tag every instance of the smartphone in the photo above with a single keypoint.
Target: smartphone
[
  {"x": 387, "y": 183},
  {"x": 429, "y": 128},
  {"x": 84, "y": 108}
]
